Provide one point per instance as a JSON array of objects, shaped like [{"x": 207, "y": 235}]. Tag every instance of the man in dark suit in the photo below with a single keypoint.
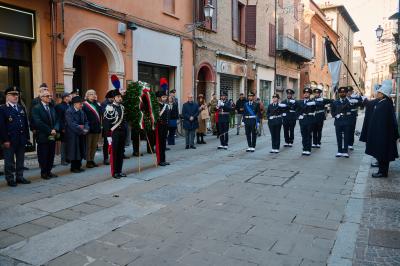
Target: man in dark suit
[
  {"x": 45, "y": 119},
  {"x": 14, "y": 135},
  {"x": 61, "y": 108}
]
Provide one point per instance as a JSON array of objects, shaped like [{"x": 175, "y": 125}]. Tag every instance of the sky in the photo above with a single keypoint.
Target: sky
[{"x": 367, "y": 14}]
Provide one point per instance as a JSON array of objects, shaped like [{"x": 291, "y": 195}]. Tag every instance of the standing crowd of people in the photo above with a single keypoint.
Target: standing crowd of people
[{"x": 79, "y": 124}]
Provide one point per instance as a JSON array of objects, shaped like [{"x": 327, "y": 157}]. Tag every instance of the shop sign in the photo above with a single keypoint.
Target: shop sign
[
  {"x": 17, "y": 23},
  {"x": 231, "y": 68}
]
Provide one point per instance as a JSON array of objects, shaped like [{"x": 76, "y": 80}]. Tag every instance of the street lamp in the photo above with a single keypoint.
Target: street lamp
[
  {"x": 379, "y": 32},
  {"x": 208, "y": 11}
]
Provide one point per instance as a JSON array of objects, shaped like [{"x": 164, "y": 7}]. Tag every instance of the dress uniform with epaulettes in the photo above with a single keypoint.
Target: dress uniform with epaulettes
[
  {"x": 162, "y": 130},
  {"x": 115, "y": 126},
  {"x": 306, "y": 116},
  {"x": 289, "y": 118},
  {"x": 14, "y": 130}
]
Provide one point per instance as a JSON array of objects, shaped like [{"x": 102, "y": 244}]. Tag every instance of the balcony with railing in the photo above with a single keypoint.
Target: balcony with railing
[{"x": 287, "y": 45}]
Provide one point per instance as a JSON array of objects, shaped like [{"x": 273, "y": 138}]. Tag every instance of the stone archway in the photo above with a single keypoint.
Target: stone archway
[
  {"x": 110, "y": 49},
  {"x": 205, "y": 83}
]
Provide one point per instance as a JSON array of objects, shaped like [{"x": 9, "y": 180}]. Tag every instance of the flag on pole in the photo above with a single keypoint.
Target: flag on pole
[{"x": 334, "y": 64}]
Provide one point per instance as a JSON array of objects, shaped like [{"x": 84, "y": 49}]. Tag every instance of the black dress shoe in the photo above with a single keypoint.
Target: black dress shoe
[
  {"x": 167, "y": 149},
  {"x": 106, "y": 162},
  {"x": 76, "y": 171},
  {"x": 23, "y": 181},
  {"x": 26, "y": 168},
  {"x": 11, "y": 183},
  {"x": 187, "y": 147},
  {"x": 167, "y": 163},
  {"x": 162, "y": 164},
  {"x": 52, "y": 175},
  {"x": 117, "y": 176},
  {"x": 45, "y": 176},
  {"x": 89, "y": 165},
  {"x": 379, "y": 175},
  {"x": 136, "y": 154},
  {"x": 374, "y": 164},
  {"x": 193, "y": 147},
  {"x": 95, "y": 164},
  {"x": 122, "y": 175},
  {"x": 126, "y": 157}
]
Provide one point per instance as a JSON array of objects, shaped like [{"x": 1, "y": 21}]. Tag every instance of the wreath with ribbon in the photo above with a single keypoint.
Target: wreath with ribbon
[{"x": 141, "y": 106}]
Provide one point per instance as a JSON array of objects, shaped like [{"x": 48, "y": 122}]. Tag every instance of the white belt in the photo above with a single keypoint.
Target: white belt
[
  {"x": 348, "y": 113},
  {"x": 274, "y": 116},
  {"x": 250, "y": 116},
  {"x": 320, "y": 111},
  {"x": 313, "y": 114},
  {"x": 354, "y": 110},
  {"x": 292, "y": 111}
]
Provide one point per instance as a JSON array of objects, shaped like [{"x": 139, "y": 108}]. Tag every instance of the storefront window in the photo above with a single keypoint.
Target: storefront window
[
  {"x": 153, "y": 73},
  {"x": 265, "y": 91}
]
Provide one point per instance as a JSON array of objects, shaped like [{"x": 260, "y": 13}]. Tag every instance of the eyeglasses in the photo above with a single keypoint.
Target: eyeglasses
[{"x": 46, "y": 96}]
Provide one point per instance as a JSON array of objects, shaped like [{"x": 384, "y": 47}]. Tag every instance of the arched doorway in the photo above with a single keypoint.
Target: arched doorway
[
  {"x": 205, "y": 81},
  {"x": 91, "y": 69},
  {"x": 90, "y": 59}
]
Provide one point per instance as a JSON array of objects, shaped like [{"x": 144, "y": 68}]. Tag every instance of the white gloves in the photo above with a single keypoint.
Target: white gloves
[
  {"x": 284, "y": 114},
  {"x": 337, "y": 116},
  {"x": 292, "y": 101},
  {"x": 109, "y": 140},
  {"x": 353, "y": 101},
  {"x": 282, "y": 105},
  {"x": 301, "y": 117},
  {"x": 320, "y": 99},
  {"x": 310, "y": 103}
]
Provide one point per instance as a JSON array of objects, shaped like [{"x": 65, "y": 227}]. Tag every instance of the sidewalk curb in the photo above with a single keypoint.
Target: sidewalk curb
[{"x": 346, "y": 236}]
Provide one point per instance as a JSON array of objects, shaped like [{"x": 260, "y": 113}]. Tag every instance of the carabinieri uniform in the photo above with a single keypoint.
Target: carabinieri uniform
[
  {"x": 306, "y": 115},
  {"x": 162, "y": 129}
]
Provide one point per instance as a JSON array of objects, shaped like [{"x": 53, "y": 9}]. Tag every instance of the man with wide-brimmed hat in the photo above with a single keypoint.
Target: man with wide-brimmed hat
[
  {"x": 116, "y": 127},
  {"x": 342, "y": 114},
  {"x": 320, "y": 117},
  {"x": 289, "y": 117},
  {"x": 383, "y": 131},
  {"x": 14, "y": 135},
  {"x": 306, "y": 115},
  {"x": 224, "y": 108},
  {"x": 251, "y": 110}
]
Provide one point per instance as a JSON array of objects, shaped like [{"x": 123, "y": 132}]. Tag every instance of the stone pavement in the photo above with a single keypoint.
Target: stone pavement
[{"x": 208, "y": 208}]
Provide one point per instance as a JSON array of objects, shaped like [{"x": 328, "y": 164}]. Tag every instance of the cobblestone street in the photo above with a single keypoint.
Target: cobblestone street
[{"x": 209, "y": 208}]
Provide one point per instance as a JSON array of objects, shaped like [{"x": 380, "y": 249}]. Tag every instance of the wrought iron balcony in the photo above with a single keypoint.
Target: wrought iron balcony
[{"x": 288, "y": 46}]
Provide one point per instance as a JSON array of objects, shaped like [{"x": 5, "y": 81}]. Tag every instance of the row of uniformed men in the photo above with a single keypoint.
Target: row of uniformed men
[{"x": 310, "y": 112}]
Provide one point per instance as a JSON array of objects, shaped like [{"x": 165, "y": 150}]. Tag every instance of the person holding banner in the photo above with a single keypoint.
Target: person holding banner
[
  {"x": 251, "y": 109},
  {"x": 115, "y": 126}
]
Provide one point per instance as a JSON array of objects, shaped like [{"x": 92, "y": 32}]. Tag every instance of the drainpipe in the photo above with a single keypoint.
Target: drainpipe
[
  {"x": 276, "y": 44},
  {"x": 194, "y": 49},
  {"x": 53, "y": 44}
]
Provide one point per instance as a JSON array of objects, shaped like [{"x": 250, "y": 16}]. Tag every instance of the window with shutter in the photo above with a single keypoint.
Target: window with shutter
[
  {"x": 313, "y": 44},
  {"x": 169, "y": 6},
  {"x": 215, "y": 14},
  {"x": 251, "y": 25},
  {"x": 200, "y": 10},
  {"x": 235, "y": 21},
  {"x": 272, "y": 39},
  {"x": 281, "y": 24}
]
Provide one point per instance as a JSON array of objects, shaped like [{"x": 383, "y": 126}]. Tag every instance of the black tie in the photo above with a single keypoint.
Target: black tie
[
  {"x": 16, "y": 108},
  {"x": 49, "y": 114}
]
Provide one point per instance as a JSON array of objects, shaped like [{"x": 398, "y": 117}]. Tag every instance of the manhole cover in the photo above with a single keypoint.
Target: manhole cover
[
  {"x": 386, "y": 195},
  {"x": 384, "y": 238}
]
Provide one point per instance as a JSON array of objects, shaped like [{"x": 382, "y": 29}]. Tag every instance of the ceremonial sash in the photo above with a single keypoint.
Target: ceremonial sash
[
  {"x": 120, "y": 121},
  {"x": 251, "y": 112},
  {"x": 92, "y": 109}
]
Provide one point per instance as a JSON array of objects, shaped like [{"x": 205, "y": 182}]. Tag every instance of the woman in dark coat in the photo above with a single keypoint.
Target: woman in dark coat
[
  {"x": 383, "y": 131},
  {"x": 76, "y": 128},
  {"x": 172, "y": 120}
]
